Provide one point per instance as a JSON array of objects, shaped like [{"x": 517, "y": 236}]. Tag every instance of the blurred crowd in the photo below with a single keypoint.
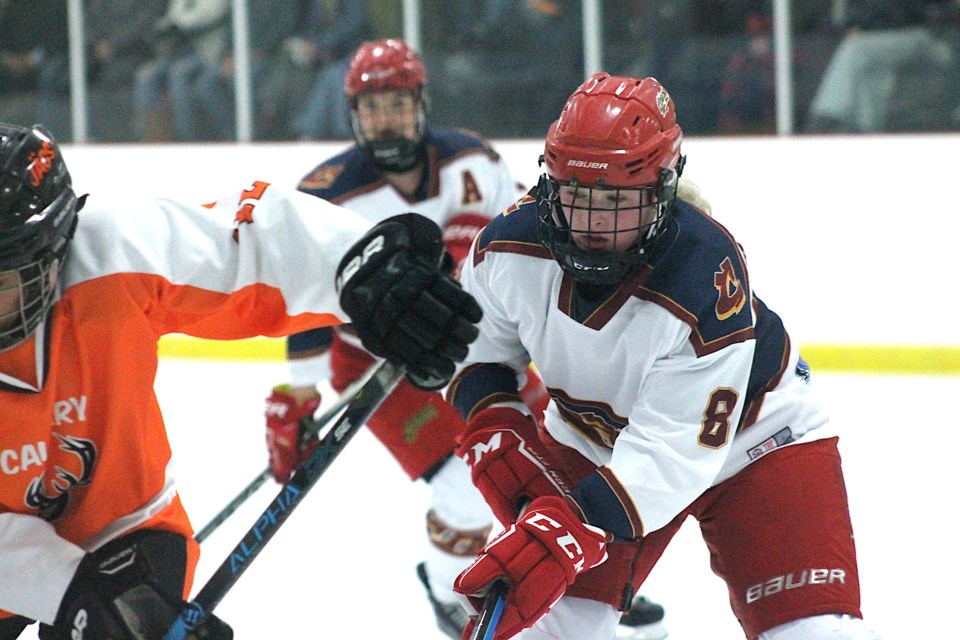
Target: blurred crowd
[{"x": 163, "y": 70}]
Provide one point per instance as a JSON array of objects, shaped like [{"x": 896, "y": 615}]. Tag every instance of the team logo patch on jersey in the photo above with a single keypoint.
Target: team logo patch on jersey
[
  {"x": 53, "y": 502},
  {"x": 248, "y": 200},
  {"x": 322, "y": 178},
  {"x": 519, "y": 203},
  {"x": 415, "y": 423},
  {"x": 731, "y": 295}
]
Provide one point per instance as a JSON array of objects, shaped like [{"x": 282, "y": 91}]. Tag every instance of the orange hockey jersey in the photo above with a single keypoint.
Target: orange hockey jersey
[{"x": 84, "y": 455}]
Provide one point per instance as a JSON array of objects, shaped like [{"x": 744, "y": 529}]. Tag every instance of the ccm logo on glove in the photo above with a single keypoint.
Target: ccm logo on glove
[
  {"x": 566, "y": 541},
  {"x": 350, "y": 269}
]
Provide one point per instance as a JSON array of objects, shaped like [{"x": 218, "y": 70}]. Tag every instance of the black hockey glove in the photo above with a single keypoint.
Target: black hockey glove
[
  {"x": 402, "y": 305},
  {"x": 116, "y": 595}
]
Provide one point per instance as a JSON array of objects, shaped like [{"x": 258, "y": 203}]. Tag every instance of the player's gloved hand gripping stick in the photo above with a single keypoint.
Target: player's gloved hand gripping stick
[
  {"x": 311, "y": 430},
  {"x": 403, "y": 308}
]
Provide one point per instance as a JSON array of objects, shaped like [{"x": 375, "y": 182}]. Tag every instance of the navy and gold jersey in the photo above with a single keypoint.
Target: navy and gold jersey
[{"x": 671, "y": 381}]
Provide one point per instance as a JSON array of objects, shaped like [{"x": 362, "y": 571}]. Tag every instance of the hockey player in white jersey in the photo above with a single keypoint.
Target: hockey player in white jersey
[
  {"x": 456, "y": 179},
  {"x": 674, "y": 390}
]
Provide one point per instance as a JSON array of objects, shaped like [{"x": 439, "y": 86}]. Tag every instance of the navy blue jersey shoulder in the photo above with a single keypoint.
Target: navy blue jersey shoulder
[
  {"x": 344, "y": 173},
  {"x": 350, "y": 171},
  {"x": 516, "y": 225},
  {"x": 450, "y": 143},
  {"x": 699, "y": 272}
]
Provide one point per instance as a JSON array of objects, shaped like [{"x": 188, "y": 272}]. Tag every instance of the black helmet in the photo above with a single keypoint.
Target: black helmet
[{"x": 38, "y": 214}]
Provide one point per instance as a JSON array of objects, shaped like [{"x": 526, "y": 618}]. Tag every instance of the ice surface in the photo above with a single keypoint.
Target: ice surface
[{"x": 343, "y": 564}]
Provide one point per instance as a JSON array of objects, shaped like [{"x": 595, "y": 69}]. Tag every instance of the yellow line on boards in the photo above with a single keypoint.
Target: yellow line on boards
[
  {"x": 181, "y": 346},
  {"x": 900, "y": 359}
]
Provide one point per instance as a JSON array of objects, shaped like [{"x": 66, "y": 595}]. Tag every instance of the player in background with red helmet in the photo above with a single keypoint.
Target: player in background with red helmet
[
  {"x": 674, "y": 390},
  {"x": 456, "y": 179}
]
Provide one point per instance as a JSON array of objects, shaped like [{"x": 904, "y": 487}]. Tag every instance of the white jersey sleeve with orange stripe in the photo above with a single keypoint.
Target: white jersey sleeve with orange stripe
[{"x": 275, "y": 242}]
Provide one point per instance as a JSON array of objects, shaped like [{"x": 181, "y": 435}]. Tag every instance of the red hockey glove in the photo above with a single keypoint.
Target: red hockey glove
[
  {"x": 540, "y": 556},
  {"x": 286, "y": 415},
  {"x": 508, "y": 463}
]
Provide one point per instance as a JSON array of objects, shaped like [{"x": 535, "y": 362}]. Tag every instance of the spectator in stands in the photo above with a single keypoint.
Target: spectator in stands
[
  {"x": 118, "y": 46},
  {"x": 882, "y": 37},
  {"x": 705, "y": 49},
  {"x": 270, "y": 24},
  {"x": 532, "y": 48},
  {"x": 335, "y": 28},
  {"x": 46, "y": 23},
  {"x": 747, "y": 93},
  {"x": 21, "y": 51},
  {"x": 642, "y": 38},
  {"x": 191, "y": 34}
]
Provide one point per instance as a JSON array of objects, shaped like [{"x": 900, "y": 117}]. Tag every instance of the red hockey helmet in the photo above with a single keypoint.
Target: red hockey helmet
[
  {"x": 384, "y": 64},
  {"x": 615, "y": 132}
]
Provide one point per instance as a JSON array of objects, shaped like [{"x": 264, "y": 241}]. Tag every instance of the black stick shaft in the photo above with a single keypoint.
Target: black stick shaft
[
  {"x": 386, "y": 376},
  {"x": 311, "y": 429},
  {"x": 489, "y": 618}
]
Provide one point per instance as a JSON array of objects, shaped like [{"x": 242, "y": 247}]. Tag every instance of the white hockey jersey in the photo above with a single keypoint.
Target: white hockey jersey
[{"x": 670, "y": 383}]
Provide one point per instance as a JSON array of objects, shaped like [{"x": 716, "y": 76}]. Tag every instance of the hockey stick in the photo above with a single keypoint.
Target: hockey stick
[
  {"x": 311, "y": 429},
  {"x": 385, "y": 376},
  {"x": 489, "y": 618}
]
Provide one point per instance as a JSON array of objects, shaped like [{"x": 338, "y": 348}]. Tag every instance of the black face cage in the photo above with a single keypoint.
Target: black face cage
[
  {"x": 37, "y": 219},
  {"x": 36, "y": 287},
  {"x": 41, "y": 250},
  {"x": 400, "y": 154},
  {"x": 602, "y": 267}
]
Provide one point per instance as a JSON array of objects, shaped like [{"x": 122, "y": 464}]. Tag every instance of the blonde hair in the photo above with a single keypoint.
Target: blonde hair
[{"x": 688, "y": 191}]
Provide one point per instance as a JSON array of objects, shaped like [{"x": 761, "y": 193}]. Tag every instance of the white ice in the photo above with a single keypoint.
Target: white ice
[{"x": 343, "y": 565}]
